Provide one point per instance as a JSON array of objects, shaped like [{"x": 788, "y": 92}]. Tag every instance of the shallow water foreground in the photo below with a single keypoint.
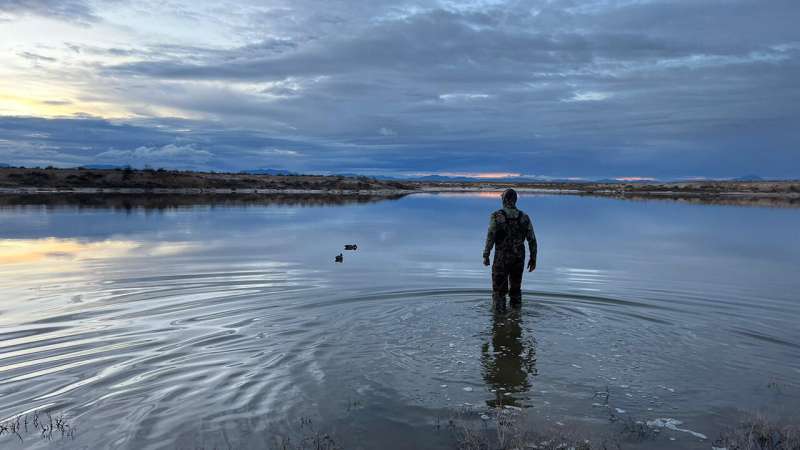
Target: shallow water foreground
[{"x": 216, "y": 325}]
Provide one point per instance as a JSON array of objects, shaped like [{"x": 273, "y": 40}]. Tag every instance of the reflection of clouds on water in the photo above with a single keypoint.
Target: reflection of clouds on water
[
  {"x": 31, "y": 251},
  {"x": 19, "y": 251},
  {"x": 451, "y": 271},
  {"x": 237, "y": 310},
  {"x": 508, "y": 360},
  {"x": 584, "y": 279}
]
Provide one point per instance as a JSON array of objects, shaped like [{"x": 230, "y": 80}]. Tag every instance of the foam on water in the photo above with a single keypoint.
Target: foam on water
[{"x": 673, "y": 424}]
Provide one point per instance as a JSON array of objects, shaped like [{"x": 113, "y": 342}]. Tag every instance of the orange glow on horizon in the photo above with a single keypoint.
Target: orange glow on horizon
[
  {"x": 472, "y": 174},
  {"x": 634, "y": 179}
]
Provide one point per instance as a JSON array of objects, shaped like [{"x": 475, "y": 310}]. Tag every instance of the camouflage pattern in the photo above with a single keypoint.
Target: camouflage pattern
[{"x": 509, "y": 228}]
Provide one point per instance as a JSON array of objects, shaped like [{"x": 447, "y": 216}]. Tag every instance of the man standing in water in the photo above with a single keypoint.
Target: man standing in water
[{"x": 509, "y": 228}]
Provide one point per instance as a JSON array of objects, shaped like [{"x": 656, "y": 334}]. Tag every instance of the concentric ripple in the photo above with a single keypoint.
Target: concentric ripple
[{"x": 150, "y": 341}]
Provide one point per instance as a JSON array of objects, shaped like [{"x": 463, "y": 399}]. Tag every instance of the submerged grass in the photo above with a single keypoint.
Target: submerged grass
[
  {"x": 506, "y": 429},
  {"x": 502, "y": 428},
  {"x": 759, "y": 433},
  {"x": 45, "y": 426}
]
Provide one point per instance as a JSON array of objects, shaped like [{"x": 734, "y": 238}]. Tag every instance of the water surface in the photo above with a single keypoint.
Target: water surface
[{"x": 228, "y": 323}]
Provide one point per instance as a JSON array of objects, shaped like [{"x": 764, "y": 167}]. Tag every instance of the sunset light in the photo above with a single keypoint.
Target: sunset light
[{"x": 399, "y": 224}]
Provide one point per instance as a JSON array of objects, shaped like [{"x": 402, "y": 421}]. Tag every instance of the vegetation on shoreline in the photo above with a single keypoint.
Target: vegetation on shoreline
[
  {"x": 150, "y": 179},
  {"x": 127, "y": 178},
  {"x": 645, "y": 188},
  {"x": 255, "y": 188}
]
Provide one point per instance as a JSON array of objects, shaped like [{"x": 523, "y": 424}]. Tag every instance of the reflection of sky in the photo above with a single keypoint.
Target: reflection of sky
[
  {"x": 584, "y": 244},
  {"x": 26, "y": 251},
  {"x": 54, "y": 250},
  {"x": 575, "y": 233},
  {"x": 682, "y": 280}
]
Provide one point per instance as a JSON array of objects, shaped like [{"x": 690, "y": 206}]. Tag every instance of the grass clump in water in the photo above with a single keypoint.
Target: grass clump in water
[
  {"x": 759, "y": 433},
  {"x": 505, "y": 428},
  {"x": 47, "y": 427}
]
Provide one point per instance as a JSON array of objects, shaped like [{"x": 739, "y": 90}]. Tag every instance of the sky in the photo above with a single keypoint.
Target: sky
[{"x": 547, "y": 88}]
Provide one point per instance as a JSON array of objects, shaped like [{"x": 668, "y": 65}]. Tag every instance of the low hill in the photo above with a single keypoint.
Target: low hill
[{"x": 52, "y": 178}]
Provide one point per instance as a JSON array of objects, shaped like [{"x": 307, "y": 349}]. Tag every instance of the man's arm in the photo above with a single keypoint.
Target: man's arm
[
  {"x": 531, "y": 238},
  {"x": 487, "y": 248}
]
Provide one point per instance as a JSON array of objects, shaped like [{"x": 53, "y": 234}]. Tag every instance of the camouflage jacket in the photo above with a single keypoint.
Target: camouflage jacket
[{"x": 510, "y": 240}]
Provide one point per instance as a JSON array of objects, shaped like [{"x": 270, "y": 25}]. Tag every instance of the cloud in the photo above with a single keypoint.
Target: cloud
[
  {"x": 456, "y": 97},
  {"x": 554, "y": 87},
  {"x": 70, "y": 10},
  {"x": 589, "y": 96},
  {"x": 181, "y": 155},
  {"x": 276, "y": 152},
  {"x": 36, "y": 57}
]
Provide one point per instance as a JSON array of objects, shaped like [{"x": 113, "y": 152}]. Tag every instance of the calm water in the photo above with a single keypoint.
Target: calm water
[{"x": 214, "y": 325}]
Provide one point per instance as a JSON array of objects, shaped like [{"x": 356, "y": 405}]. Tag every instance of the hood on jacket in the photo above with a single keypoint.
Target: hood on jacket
[{"x": 509, "y": 198}]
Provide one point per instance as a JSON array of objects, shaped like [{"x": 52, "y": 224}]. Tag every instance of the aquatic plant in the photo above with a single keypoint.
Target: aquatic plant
[
  {"x": 760, "y": 433},
  {"x": 23, "y": 425}
]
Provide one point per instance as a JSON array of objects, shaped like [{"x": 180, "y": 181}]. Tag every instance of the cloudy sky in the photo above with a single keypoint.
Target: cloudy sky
[{"x": 558, "y": 88}]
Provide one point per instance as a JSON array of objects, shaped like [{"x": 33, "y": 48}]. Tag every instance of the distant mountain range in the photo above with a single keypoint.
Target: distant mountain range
[
  {"x": 268, "y": 172},
  {"x": 461, "y": 179},
  {"x": 748, "y": 178},
  {"x": 446, "y": 179},
  {"x": 102, "y": 166}
]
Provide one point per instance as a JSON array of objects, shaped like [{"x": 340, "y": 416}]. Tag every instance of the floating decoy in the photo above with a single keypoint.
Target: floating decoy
[
  {"x": 350, "y": 246},
  {"x": 339, "y": 258}
]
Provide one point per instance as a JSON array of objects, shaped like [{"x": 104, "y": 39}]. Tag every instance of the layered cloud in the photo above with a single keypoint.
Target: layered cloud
[
  {"x": 72, "y": 10},
  {"x": 557, "y": 87},
  {"x": 175, "y": 155}
]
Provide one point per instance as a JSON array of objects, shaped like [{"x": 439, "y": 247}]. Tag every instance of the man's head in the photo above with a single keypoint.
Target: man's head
[{"x": 509, "y": 198}]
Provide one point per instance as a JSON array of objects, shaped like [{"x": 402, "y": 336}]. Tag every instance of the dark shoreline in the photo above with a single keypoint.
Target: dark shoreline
[
  {"x": 21, "y": 180},
  {"x": 130, "y": 201},
  {"x": 216, "y": 187}
]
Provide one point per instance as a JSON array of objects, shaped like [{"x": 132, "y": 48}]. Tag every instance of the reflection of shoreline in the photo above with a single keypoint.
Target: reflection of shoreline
[
  {"x": 300, "y": 197},
  {"x": 726, "y": 198},
  {"x": 199, "y": 191},
  {"x": 130, "y": 202}
]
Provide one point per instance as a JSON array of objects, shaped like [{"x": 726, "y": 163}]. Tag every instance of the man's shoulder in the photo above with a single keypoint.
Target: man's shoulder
[
  {"x": 523, "y": 216},
  {"x": 501, "y": 215}
]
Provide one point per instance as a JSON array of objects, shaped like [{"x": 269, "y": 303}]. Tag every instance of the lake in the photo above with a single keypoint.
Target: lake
[{"x": 217, "y": 324}]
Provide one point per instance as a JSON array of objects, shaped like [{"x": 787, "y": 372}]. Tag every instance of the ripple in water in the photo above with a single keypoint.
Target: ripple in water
[{"x": 177, "y": 334}]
